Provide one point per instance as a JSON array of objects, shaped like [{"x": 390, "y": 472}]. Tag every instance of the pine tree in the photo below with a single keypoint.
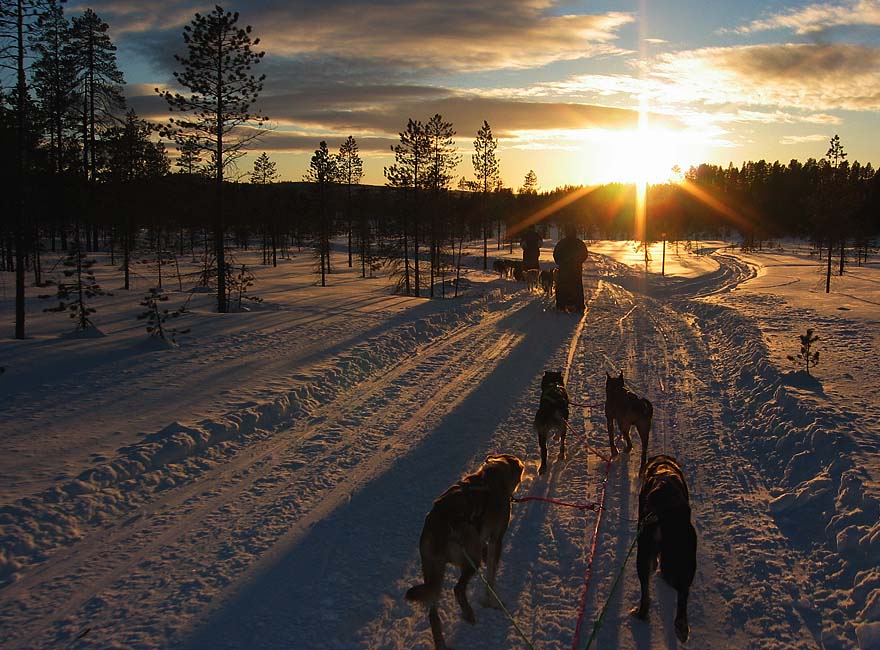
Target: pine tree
[
  {"x": 486, "y": 170},
  {"x": 217, "y": 73},
  {"x": 530, "y": 183},
  {"x": 156, "y": 316},
  {"x": 323, "y": 172},
  {"x": 100, "y": 82},
  {"x": 351, "y": 170},
  {"x": 188, "y": 158},
  {"x": 131, "y": 155},
  {"x": 73, "y": 295},
  {"x": 441, "y": 163},
  {"x": 55, "y": 82},
  {"x": 808, "y": 355},
  {"x": 16, "y": 21},
  {"x": 408, "y": 174},
  {"x": 265, "y": 170}
]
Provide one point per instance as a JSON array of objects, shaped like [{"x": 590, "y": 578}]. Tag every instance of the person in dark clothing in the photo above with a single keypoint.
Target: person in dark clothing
[
  {"x": 570, "y": 254},
  {"x": 531, "y": 241}
]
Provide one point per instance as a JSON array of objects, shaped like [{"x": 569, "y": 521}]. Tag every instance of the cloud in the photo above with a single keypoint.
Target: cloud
[
  {"x": 819, "y": 17},
  {"x": 801, "y": 139},
  {"x": 467, "y": 35},
  {"x": 813, "y": 77}
]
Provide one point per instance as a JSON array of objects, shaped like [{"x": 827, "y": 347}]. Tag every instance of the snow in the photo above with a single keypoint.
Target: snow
[{"x": 263, "y": 483}]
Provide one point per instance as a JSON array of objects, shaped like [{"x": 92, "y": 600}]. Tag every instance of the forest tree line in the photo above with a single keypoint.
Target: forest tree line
[{"x": 90, "y": 175}]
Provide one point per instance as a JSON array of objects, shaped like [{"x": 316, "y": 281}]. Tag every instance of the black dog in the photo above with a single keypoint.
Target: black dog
[
  {"x": 666, "y": 534},
  {"x": 627, "y": 409},
  {"x": 552, "y": 414}
]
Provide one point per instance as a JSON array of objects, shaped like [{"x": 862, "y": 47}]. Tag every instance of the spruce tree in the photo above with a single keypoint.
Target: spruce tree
[{"x": 217, "y": 73}]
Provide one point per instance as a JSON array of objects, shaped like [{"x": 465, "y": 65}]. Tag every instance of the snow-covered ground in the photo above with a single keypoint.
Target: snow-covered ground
[{"x": 264, "y": 484}]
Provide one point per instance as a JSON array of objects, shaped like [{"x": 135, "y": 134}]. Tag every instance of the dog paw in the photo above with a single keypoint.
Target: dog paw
[{"x": 640, "y": 614}]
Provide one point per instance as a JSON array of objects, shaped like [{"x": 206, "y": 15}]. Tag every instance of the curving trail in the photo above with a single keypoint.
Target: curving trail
[{"x": 306, "y": 536}]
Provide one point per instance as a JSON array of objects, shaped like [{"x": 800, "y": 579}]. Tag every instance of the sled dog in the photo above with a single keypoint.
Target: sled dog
[
  {"x": 548, "y": 281},
  {"x": 552, "y": 414},
  {"x": 666, "y": 535},
  {"x": 509, "y": 269},
  {"x": 466, "y": 525},
  {"x": 626, "y": 409},
  {"x": 532, "y": 277}
]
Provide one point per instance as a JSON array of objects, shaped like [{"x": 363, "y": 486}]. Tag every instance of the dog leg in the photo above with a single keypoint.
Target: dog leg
[
  {"x": 467, "y": 612},
  {"x": 644, "y": 562},
  {"x": 610, "y": 422},
  {"x": 624, "y": 429},
  {"x": 682, "y": 630},
  {"x": 491, "y": 570},
  {"x": 436, "y": 629},
  {"x": 542, "y": 441}
]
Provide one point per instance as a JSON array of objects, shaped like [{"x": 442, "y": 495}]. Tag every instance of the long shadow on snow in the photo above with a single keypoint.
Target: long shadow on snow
[{"x": 340, "y": 577}]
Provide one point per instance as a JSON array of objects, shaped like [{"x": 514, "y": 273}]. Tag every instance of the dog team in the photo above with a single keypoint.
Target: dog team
[
  {"x": 565, "y": 280},
  {"x": 467, "y": 523}
]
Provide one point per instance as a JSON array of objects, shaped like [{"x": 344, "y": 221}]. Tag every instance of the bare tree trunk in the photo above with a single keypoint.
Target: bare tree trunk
[{"x": 828, "y": 272}]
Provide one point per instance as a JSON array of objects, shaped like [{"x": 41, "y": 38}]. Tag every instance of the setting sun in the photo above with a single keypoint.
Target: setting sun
[{"x": 646, "y": 155}]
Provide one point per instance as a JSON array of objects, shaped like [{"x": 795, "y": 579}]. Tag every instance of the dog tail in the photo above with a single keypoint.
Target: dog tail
[{"x": 649, "y": 408}]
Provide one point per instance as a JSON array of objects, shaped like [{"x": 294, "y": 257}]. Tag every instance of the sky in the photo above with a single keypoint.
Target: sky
[{"x": 579, "y": 92}]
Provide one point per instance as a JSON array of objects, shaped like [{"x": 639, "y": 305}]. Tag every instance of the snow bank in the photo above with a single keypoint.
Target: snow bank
[
  {"x": 806, "y": 453},
  {"x": 35, "y": 526}
]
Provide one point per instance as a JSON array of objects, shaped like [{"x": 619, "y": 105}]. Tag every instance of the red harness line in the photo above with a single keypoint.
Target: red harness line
[
  {"x": 587, "y": 444},
  {"x": 589, "y": 570}
]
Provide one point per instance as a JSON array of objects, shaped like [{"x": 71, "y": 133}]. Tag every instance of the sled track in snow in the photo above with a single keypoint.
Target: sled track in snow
[{"x": 278, "y": 487}]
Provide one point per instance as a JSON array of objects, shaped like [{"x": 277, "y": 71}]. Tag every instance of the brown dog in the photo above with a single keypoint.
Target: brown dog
[
  {"x": 666, "y": 533},
  {"x": 626, "y": 409},
  {"x": 466, "y": 524}
]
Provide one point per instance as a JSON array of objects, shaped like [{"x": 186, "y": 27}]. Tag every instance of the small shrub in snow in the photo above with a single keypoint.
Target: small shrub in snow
[
  {"x": 808, "y": 355},
  {"x": 79, "y": 286},
  {"x": 156, "y": 316},
  {"x": 238, "y": 281}
]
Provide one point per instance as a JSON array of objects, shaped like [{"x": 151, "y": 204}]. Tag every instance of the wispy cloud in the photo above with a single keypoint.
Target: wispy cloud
[
  {"x": 467, "y": 35},
  {"x": 821, "y": 77},
  {"x": 818, "y": 17},
  {"x": 801, "y": 139}
]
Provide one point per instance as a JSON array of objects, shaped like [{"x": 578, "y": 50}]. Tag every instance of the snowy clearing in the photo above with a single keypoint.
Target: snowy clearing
[{"x": 264, "y": 484}]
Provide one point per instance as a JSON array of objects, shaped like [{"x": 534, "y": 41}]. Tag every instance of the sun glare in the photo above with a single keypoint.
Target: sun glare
[{"x": 644, "y": 155}]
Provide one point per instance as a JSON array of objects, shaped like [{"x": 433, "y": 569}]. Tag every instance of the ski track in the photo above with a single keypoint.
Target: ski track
[{"x": 324, "y": 511}]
